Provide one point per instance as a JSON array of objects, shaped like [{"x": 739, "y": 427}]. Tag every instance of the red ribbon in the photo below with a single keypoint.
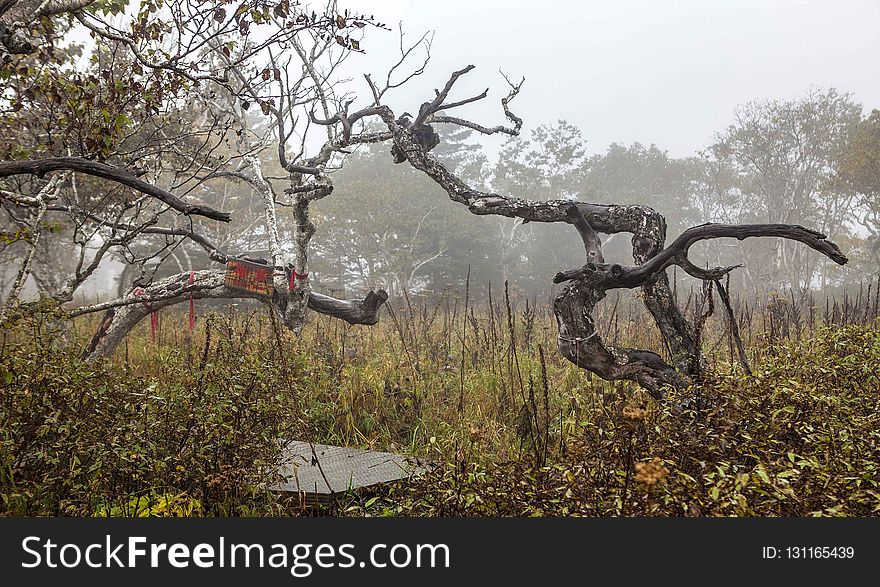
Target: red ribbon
[
  {"x": 154, "y": 314},
  {"x": 293, "y": 276},
  {"x": 154, "y": 324},
  {"x": 192, "y": 306}
]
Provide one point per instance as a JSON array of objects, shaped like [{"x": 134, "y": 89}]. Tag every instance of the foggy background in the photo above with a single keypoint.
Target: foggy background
[
  {"x": 669, "y": 73},
  {"x": 667, "y": 105}
]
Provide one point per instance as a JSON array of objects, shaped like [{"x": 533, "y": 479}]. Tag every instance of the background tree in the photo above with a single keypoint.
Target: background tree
[
  {"x": 543, "y": 166},
  {"x": 385, "y": 226},
  {"x": 780, "y": 158},
  {"x": 859, "y": 170}
]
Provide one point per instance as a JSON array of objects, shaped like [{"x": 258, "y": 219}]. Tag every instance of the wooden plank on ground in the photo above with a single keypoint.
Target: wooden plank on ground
[{"x": 344, "y": 468}]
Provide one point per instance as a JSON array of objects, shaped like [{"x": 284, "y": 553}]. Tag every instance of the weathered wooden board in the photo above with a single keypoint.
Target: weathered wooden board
[
  {"x": 344, "y": 468},
  {"x": 246, "y": 275}
]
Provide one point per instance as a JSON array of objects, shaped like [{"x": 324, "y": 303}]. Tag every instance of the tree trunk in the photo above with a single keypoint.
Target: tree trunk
[{"x": 125, "y": 313}]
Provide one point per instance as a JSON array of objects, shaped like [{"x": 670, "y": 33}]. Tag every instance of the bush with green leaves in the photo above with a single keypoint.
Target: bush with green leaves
[
  {"x": 199, "y": 434},
  {"x": 193, "y": 424}
]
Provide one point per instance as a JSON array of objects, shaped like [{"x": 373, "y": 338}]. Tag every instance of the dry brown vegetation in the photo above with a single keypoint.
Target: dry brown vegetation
[{"x": 191, "y": 424}]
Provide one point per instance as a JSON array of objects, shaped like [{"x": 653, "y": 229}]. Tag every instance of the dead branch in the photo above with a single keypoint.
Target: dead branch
[
  {"x": 579, "y": 339},
  {"x": 41, "y": 167}
]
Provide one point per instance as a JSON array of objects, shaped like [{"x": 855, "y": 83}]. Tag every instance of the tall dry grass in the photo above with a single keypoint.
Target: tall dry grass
[{"x": 475, "y": 386}]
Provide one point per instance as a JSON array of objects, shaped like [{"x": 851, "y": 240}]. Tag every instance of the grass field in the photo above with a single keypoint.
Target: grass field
[{"x": 192, "y": 424}]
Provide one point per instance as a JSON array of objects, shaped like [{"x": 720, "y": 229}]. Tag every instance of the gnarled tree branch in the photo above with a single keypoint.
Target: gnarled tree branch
[
  {"x": 125, "y": 313},
  {"x": 579, "y": 339},
  {"x": 41, "y": 167}
]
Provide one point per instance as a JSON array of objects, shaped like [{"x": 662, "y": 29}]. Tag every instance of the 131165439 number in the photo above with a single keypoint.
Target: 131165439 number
[{"x": 808, "y": 552}]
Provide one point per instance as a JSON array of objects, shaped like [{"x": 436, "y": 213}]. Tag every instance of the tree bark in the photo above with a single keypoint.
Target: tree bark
[{"x": 123, "y": 314}]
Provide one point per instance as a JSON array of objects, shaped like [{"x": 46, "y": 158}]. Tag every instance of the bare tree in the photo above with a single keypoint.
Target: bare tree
[
  {"x": 197, "y": 136},
  {"x": 579, "y": 340}
]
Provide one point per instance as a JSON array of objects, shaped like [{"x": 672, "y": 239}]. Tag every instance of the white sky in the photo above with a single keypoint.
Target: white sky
[{"x": 664, "y": 72}]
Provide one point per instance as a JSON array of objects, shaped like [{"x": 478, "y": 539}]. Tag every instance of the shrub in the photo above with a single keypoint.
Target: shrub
[
  {"x": 196, "y": 437},
  {"x": 800, "y": 438}
]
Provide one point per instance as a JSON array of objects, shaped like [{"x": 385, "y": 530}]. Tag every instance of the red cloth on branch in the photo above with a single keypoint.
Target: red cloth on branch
[
  {"x": 293, "y": 276},
  {"x": 154, "y": 314},
  {"x": 249, "y": 276},
  {"x": 192, "y": 307}
]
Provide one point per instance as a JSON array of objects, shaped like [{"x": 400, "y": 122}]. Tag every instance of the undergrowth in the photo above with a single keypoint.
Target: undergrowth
[
  {"x": 193, "y": 424},
  {"x": 800, "y": 438}
]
